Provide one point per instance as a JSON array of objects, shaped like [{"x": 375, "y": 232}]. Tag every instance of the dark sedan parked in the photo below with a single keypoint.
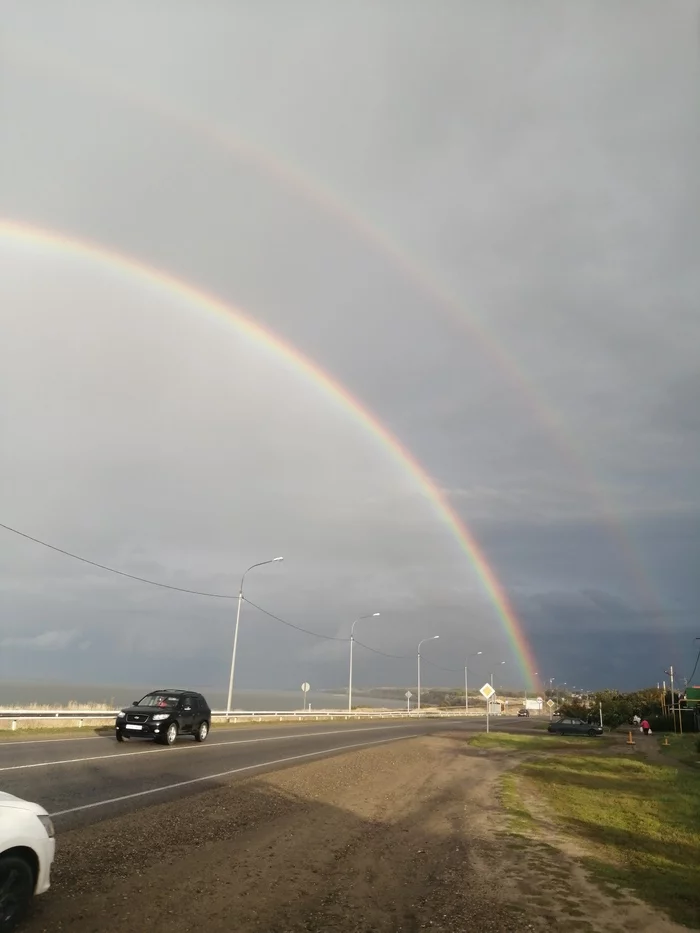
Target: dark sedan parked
[
  {"x": 574, "y": 727},
  {"x": 163, "y": 715}
]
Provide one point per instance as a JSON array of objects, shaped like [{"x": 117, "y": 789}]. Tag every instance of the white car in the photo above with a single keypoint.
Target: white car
[{"x": 27, "y": 848}]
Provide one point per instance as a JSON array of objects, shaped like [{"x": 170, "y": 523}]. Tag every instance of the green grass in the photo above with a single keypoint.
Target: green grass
[
  {"x": 519, "y": 742},
  {"x": 640, "y": 823},
  {"x": 681, "y": 748},
  {"x": 519, "y": 817}
]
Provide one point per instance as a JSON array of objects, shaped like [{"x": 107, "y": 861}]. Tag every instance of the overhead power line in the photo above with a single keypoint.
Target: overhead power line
[
  {"x": 401, "y": 657},
  {"x": 191, "y": 592},
  {"x": 165, "y": 586},
  {"x": 452, "y": 670},
  {"x": 120, "y": 573},
  {"x": 291, "y": 624}
]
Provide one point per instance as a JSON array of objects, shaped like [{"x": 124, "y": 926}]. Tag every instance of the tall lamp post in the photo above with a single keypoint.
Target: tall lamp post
[
  {"x": 525, "y": 691},
  {"x": 492, "y": 678},
  {"x": 466, "y": 683},
  {"x": 352, "y": 642},
  {"x": 432, "y": 638},
  {"x": 262, "y": 563}
]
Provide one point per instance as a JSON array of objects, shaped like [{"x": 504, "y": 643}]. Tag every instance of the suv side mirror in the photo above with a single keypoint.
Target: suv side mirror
[{"x": 135, "y": 703}]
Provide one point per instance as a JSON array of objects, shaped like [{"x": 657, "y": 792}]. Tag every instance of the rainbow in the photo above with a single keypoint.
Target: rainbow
[
  {"x": 134, "y": 268},
  {"x": 327, "y": 200}
]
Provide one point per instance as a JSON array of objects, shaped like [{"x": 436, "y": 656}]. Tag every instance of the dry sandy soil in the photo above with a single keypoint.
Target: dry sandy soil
[{"x": 393, "y": 839}]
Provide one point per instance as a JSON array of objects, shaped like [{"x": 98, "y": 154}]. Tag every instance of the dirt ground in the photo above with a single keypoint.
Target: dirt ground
[{"x": 394, "y": 839}]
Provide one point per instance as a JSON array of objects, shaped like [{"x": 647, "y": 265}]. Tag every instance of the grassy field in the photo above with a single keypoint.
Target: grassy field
[
  {"x": 681, "y": 748},
  {"x": 518, "y": 742},
  {"x": 639, "y": 822}
]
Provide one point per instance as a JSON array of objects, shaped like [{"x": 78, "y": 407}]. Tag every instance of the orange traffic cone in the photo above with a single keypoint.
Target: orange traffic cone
[{"x": 630, "y": 740}]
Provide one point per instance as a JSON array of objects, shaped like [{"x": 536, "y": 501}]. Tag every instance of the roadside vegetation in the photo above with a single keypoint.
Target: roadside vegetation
[
  {"x": 619, "y": 708},
  {"x": 681, "y": 748},
  {"x": 638, "y": 823},
  {"x": 519, "y": 742}
]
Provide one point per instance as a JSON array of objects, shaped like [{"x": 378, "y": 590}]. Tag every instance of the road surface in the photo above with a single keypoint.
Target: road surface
[
  {"x": 83, "y": 780},
  {"x": 351, "y": 828}
]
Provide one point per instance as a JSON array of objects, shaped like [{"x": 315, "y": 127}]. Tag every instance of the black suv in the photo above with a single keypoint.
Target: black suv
[{"x": 163, "y": 715}]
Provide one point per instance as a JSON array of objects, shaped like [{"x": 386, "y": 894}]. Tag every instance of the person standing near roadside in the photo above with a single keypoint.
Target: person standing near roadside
[{"x": 645, "y": 727}]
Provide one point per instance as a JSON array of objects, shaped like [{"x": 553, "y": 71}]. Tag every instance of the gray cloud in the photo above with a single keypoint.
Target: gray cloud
[
  {"x": 535, "y": 162},
  {"x": 52, "y": 640}
]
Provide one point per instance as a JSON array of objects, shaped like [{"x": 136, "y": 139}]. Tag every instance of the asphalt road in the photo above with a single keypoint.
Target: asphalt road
[{"x": 83, "y": 780}]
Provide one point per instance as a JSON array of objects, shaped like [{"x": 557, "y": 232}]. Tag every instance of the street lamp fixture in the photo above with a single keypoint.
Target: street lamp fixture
[
  {"x": 432, "y": 638},
  {"x": 492, "y": 678},
  {"x": 372, "y": 615},
  {"x": 466, "y": 685},
  {"x": 262, "y": 563}
]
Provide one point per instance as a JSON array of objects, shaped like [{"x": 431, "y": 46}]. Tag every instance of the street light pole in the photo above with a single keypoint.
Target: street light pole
[
  {"x": 673, "y": 699},
  {"x": 488, "y": 702},
  {"x": 352, "y": 642},
  {"x": 466, "y": 684},
  {"x": 432, "y": 638},
  {"x": 262, "y": 563},
  {"x": 492, "y": 678}
]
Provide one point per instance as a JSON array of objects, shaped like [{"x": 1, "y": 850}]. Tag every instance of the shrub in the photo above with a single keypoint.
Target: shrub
[{"x": 660, "y": 723}]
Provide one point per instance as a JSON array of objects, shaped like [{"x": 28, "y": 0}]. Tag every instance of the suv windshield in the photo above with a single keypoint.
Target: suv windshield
[{"x": 159, "y": 699}]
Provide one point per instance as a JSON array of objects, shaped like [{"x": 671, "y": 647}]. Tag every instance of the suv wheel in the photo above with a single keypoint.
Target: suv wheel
[
  {"x": 170, "y": 734},
  {"x": 203, "y": 731},
  {"x": 120, "y": 736},
  {"x": 16, "y": 891}
]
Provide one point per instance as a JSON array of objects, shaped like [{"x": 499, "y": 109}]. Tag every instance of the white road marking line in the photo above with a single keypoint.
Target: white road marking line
[
  {"x": 18, "y": 743},
  {"x": 182, "y": 748},
  {"x": 222, "y": 774}
]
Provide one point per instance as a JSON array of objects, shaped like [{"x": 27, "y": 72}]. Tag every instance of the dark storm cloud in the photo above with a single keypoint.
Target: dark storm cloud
[{"x": 539, "y": 159}]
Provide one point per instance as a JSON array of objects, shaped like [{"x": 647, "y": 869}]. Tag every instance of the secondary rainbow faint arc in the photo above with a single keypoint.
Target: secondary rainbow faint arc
[
  {"x": 325, "y": 198},
  {"x": 59, "y": 241}
]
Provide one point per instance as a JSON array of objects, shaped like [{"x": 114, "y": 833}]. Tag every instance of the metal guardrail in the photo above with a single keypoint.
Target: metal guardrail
[{"x": 82, "y": 716}]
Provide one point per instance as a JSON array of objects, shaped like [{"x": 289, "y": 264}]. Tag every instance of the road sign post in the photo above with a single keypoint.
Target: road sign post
[
  {"x": 305, "y": 689},
  {"x": 487, "y": 692},
  {"x": 550, "y": 704},
  {"x": 408, "y": 696}
]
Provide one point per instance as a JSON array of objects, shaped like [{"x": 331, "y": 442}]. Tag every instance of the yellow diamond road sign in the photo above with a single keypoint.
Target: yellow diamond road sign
[
  {"x": 550, "y": 703},
  {"x": 487, "y": 691}
]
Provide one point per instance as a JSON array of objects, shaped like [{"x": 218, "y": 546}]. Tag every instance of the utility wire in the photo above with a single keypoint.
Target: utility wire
[
  {"x": 120, "y": 573},
  {"x": 291, "y": 624},
  {"x": 165, "y": 586},
  {"x": 690, "y": 679},
  {"x": 402, "y": 657},
  {"x": 452, "y": 670},
  {"x": 182, "y": 589}
]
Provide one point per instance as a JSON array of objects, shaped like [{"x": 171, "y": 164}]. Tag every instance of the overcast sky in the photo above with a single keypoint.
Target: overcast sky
[{"x": 481, "y": 219}]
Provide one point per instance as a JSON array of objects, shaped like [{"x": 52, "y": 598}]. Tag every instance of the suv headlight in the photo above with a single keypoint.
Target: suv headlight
[
  {"x": 121, "y": 715},
  {"x": 46, "y": 822},
  {"x": 156, "y": 717}
]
